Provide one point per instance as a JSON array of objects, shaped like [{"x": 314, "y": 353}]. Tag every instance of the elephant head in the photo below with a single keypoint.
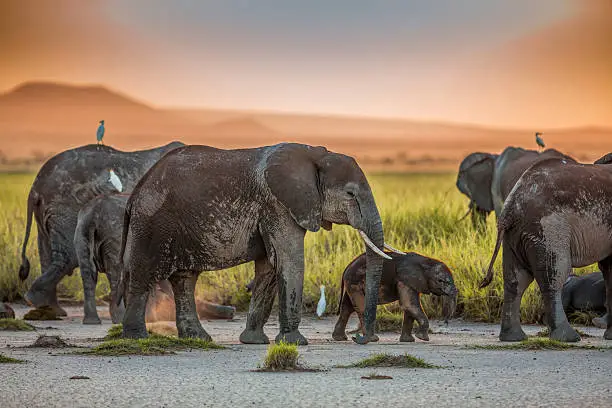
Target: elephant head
[
  {"x": 474, "y": 180},
  {"x": 320, "y": 188}
]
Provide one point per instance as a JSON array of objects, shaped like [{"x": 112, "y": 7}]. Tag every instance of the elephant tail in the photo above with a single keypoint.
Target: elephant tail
[
  {"x": 124, "y": 279},
  {"x": 24, "y": 269},
  {"x": 489, "y": 276}
]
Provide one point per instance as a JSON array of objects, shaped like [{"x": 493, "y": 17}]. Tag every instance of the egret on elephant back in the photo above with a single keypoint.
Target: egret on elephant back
[
  {"x": 100, "y": 133},
  {"x": 539, "y": 140}
]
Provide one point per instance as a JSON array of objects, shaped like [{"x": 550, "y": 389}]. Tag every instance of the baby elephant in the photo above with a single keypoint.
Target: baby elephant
[{"x": 404, "y": 278}]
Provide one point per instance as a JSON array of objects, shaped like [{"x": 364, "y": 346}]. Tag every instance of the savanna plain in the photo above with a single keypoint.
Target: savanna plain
[{"x": 421, "y": 213}]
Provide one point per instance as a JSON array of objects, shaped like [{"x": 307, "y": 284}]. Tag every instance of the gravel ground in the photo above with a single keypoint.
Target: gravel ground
[{"x": 224, "y": 378}]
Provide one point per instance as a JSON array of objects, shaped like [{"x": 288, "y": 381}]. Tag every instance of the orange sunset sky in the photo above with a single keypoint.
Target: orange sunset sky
[{"x": 512, "y": 63}]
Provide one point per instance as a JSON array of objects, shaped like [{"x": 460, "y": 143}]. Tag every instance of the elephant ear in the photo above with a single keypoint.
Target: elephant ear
[
  {"x": 292, "y": 175},
  {"x": 476, "y": 178}
]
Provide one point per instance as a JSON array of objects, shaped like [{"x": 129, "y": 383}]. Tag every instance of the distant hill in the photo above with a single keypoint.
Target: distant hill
[{"x": 39, "y": 118}]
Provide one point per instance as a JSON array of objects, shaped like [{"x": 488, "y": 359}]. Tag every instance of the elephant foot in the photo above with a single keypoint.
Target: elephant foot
[
  {"x": 254, "y": 337},
  {"x": 195, "y": 331},
  {"x": 608, "y": 334},
  {"x": 565, "y": 333},
  {"x": 137, "y": 332},
  {"x": 39, "y": 299},
  {"x": 408, "y": 338},
  {"x": 512, "y": 335},
  {"x": 339, "y": 336},
  {"x": 294, "y": 337},
  {"x": 422, "y": 334},
  {"x": 601, "y": 322},
  {"x": 91, "y": 320}
]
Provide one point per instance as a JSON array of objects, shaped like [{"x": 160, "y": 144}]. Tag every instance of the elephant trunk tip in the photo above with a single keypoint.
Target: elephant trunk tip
[{"x": 359, "y": 339}]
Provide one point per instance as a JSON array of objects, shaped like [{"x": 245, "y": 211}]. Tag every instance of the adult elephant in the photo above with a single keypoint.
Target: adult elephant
[
  {"x": 204, "y": 209},
  {"x": 63, "y": 185},
  {"x": 557, "y": 217},
  {"x": 487, "y": 179}
]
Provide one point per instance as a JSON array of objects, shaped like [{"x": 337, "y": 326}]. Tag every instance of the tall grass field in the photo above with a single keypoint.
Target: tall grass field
[{"x": 420, "y": 212}]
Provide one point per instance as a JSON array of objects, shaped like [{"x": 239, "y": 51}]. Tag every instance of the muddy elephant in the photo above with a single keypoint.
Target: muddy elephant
[
  {"x": 487, "y": 179},
  {"x": 586, "y": 293},
  {"x": 204, "y": 209},
  {"x": 404, "y": 278},
  {"x": 97, "y": 241},
  {"x": 558, "y": 216},
  {"x": 63, "y": 185}
]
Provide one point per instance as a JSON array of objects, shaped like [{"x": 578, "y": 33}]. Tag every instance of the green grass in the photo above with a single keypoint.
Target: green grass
[
  {"x": 9, "y": 360},
  {"x": 154, "y": 345},
  {"x": 545, "y": 332},
  {"x": 281, "y": 357},
  {"x": 535, "y": 344},
  {"x": 420, "y": 212},
  {"x": 15, "y": 325},
  {"x": 389, "y": 360},
  {"x": 115, "y": 332}
]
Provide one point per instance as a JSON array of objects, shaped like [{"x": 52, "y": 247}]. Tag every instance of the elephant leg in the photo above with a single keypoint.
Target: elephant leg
[
  {"x": 117, "y": 311},
  {"x": 43, "y": 291},
  {"x": 346, "y": 310},
  {"x": 606, "y": 269},
  {"x": 407, "y": 325},
  {"x": 187, "y": 321},
  {"x": 411, "y": 305},
  {"x": 134, "y": 326},
  {"x": 264, "y": 290},
  {"x": 290, "y": 287},
  {"x": 550, "y": 277},
  {"x": 90, "y": 280},
  {"x": 357, "y": 299},
  {"x": 516, "y": 280}
]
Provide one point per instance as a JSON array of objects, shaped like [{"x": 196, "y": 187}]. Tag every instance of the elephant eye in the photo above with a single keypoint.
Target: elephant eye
[{"x": 350, "y": 193}]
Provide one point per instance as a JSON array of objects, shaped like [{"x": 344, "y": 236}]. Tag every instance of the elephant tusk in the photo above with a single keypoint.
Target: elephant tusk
[
  {"x": 373, "y": 247},
  {"x": 397, "y": 251}
]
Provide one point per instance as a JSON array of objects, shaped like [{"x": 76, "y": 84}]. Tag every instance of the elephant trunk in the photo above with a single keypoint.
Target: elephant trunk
[{"x": 374, "y": 267}]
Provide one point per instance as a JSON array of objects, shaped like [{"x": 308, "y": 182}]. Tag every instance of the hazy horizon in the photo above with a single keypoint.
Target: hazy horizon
[{"x": 488, "y": 63}]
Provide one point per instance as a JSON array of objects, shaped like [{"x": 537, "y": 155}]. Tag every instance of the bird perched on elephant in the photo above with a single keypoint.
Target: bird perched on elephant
[
  {"x": 63, "y": 185},
  {"x": 204, "y": 209},
  {"x": 585, "y": 293},
  {"x": 558, "y": 216},
  {"x": 487, "y": 179},
  {"x": 404, "y": 278}
]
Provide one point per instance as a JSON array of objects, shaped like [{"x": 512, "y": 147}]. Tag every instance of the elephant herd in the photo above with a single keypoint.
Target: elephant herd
[{"x": 180, "y": 210}]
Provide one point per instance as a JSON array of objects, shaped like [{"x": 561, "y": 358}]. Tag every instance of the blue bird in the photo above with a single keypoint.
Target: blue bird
[
  {"x": 539, "y": 140},
  {"x": 100, "y": 133}
]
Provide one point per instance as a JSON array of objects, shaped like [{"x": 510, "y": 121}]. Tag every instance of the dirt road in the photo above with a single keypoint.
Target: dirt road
[{"x": 223, "y": 378}]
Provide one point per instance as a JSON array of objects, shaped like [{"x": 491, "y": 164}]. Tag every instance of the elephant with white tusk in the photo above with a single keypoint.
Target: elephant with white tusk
[{"x": 205, "y": 209}]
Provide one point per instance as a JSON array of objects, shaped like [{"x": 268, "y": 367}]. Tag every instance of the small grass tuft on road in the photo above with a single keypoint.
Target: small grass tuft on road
[
  {"x": 389, "y": 360},
  {"x": 41, "y": 313},
  {"x": 15, "y": 325},
  {"x": 9, "y": 360},
  {"x": 281, "y": 357}
]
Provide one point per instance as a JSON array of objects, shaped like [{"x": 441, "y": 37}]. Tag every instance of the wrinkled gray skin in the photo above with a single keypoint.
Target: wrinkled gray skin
[
  {"x": 205, "y": 209},
  {"x": 404, "y": 278},
  {"x": 487, "y": 179},
  {"x": 558, "y": 216},
  {"x": 586, "y": 293},
  {"x": 97, "y": 242},
  {"x": 64, "y": 184}
]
